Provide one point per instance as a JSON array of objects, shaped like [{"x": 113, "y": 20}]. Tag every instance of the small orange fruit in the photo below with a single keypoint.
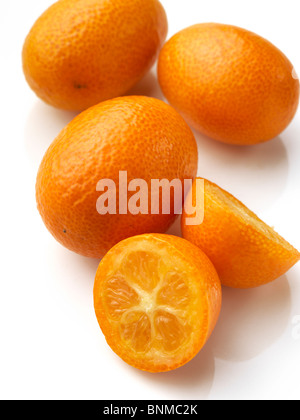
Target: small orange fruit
[
  {"x": 142, "y": 137},
  {"x": 244, "y": 250},
  {"x": 229, "y": 83},
  {"x": 157, "y": 299},
  {"x": 82, "y": 52}
]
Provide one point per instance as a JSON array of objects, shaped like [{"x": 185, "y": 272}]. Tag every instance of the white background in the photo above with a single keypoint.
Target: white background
[{"x": 50, "y": 344}]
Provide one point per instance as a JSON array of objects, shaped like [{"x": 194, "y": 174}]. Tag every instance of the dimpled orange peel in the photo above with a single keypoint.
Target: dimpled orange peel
[
  {"x": 81, "y": 52},
  {"x": 143, "y": 137},
  {"x": 244, "y": 250},
  {"x": 157, "y": 299},
  {"x": 229, "y": 83}
]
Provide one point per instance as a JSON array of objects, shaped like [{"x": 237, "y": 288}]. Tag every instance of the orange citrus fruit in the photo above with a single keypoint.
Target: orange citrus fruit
[
  {"x": 157, "y": 299},
  {"x": 82, "y": 52},
  {"x": 244, "y": 250},
  {"x": 142, "y": 137},
  {"x": 230, "y": 84}
]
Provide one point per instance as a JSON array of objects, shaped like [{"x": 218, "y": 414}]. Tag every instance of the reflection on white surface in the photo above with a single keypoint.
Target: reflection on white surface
[{"x": 251, "y": 320}]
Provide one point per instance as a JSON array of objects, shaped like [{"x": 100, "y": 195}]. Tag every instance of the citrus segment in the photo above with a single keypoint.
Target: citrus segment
[
  {"x": 119, "y": 297},
  {"x": 157, "y": 299},
  {"x": 171, "y": 333},
  {"x": 143, "y": 269},
  {"x": 174, "y": 291},
  {"x": 135, "y": 329}
]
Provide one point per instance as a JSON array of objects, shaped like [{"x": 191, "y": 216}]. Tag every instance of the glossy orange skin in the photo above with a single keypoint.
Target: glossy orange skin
[
  {"x": 140, "y": 135},
  {"x": 230, "y": 84},
  {"x": 209, "y": 297},
  {"x": 82, "y": 52},
  {"x": 244, "y": 250}
]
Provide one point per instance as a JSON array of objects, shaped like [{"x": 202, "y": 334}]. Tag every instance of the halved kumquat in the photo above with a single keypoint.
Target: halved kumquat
[
  {"x": 157, "y": 299},
  {"x": 245, "y": 251}
]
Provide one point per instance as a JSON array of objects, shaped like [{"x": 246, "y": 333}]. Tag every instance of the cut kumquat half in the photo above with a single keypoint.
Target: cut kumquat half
[
  {"x": 245, "y": 251},
  {"x": 157, "y": 299}
]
